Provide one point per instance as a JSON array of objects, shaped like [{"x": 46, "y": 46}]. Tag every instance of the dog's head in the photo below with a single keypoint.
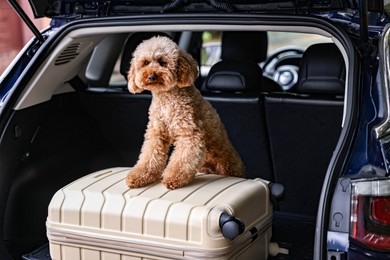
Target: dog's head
[{"x": 158, "y": 64}]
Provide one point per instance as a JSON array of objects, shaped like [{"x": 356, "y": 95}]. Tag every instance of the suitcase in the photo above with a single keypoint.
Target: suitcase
[{"x": 214, "y": 217}]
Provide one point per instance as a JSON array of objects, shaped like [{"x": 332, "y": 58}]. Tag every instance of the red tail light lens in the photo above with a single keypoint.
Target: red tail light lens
[
  {"x": 370, "y": 218},
  {"x": 380, "y": 210}
]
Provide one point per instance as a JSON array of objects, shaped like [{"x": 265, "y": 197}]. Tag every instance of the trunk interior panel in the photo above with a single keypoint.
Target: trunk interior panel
[{"x": 75, "y": 134}]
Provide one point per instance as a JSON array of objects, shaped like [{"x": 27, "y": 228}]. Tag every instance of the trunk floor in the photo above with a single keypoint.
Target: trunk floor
[{"x": 295, "y": 233}]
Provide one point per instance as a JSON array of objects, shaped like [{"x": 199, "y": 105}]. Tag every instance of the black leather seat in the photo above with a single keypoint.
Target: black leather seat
[
  {"x": 241, "y": 52},
  {"x": 304, "y": 127},
  {"x": 234, "y": 86},
  {"x": 133, "y": 113}
]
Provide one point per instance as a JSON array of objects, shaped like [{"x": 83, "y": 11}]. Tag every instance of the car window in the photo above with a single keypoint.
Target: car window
[
  {"x": 277, "y": 40},
  {"x": 386, "y": 4},
  {"x": 211, "y": 47}
]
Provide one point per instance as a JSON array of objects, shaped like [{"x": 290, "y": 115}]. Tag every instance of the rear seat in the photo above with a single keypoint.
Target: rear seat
[
  {"x": 238, "y": 105},
  {"x": 304, "y": 127},
  {"x": 115, "y": 106},
  {"x": 233, "y": 87}
]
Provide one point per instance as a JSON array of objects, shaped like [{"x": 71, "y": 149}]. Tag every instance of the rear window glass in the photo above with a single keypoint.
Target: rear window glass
[{"x": 211, "y": 48}]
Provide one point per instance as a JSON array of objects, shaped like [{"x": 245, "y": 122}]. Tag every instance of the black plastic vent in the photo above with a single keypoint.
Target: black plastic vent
[{"x": 68, "y": 54}]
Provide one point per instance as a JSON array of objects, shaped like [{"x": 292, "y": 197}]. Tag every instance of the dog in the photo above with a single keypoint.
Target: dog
[{"x": 178, "y": 117}]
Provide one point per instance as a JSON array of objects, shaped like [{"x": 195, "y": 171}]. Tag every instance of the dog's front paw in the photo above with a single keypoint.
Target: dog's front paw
[
  {"x": 140, "y": 177},
  {"x": 177, "y": 180}
]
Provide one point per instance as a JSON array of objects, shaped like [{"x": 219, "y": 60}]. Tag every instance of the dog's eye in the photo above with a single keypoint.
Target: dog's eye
[
  {"x": 162, "y": 62},
  {"x": 146, "y": 63}
]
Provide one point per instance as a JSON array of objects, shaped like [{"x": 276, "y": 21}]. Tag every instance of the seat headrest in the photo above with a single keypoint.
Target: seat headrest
[
  {"x": 229, "y": 76},
  {"x": 131, "y": 44},
  {"x": 322, "y": 70},
  {"x": 248, "y": 45}
]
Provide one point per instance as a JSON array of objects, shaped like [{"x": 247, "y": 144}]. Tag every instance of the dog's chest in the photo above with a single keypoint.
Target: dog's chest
[
  {"x": 171, "y": 114},
  {"x": 166, "y": 111}
]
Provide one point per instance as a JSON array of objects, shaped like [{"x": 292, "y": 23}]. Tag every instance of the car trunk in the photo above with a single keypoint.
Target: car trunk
[
  {"x": 76, "y": 134},
  {"x": 72, "y": 128}
]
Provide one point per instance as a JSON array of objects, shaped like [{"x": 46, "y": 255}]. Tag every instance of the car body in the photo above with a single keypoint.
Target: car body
[{"x": 65, "y": 112}]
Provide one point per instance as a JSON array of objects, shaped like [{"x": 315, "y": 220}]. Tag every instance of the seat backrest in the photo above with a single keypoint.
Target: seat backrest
[
  {"x": 242, "y": 52},
  {"x": 133, "y": 113},
  {"x": 244, "y": 45},
  {"x": 322, "y": 71},
  {"x": 233, "y": 87},
  {"x": 304, "y": 127}
]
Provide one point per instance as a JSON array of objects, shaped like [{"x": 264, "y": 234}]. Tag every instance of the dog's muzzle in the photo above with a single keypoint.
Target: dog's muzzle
[{"x": 152, "y": 77}]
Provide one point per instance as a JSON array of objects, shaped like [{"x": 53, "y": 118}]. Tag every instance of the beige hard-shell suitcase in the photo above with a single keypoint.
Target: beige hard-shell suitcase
[{"x": 214, "y": 217}]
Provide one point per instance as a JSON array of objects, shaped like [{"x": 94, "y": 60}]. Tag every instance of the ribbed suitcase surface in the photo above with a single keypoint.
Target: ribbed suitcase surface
[{"x": 99, "y": 217}]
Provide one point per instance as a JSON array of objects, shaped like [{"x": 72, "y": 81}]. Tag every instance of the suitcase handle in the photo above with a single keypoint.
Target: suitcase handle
[{"x": 231, "y": 227}]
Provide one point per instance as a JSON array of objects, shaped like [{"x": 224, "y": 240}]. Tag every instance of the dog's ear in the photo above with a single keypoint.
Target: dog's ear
[
  {"x": 133, "y": 88},
  {"x": 187, "y": 69}
]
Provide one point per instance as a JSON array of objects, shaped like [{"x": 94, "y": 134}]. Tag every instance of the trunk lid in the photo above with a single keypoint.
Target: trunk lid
[
  {"x": 88, "y": 8},
  {"x": 357, "y": 15}
]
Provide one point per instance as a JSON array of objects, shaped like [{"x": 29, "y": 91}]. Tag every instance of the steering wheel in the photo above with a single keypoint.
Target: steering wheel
[{"x": 282, "y": 66}]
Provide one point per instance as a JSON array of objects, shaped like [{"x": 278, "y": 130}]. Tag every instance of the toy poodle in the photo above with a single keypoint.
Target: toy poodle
[{"x": 178, "y": 116}]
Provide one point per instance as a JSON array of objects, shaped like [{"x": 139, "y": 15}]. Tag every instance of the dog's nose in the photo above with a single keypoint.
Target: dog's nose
[{"x": 152, "y": 77}]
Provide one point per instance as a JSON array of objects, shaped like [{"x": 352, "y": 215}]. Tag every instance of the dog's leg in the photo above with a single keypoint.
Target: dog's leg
[
  {"x": 151, "y": 162},
  {"x": 185, "y": 160},
  {"x": 224, "y": 161}
]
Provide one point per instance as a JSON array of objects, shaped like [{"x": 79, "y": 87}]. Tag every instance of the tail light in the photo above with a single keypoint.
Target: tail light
[{"x": 370, "y": 218}]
